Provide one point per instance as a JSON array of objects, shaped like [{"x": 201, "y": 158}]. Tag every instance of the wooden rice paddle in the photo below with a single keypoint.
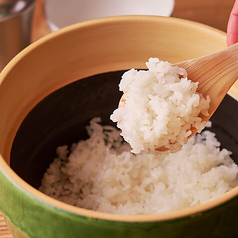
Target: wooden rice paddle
[{"x": 216, "y": 73}]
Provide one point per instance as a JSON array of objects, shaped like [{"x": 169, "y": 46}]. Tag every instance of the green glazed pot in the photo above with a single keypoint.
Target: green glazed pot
[{"x": 75, "y": 71}]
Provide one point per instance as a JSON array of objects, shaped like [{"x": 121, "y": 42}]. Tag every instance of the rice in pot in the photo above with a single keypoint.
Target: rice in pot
[
  {"x": 101, "y": 174},
  {"x": 104, "y": 173}
]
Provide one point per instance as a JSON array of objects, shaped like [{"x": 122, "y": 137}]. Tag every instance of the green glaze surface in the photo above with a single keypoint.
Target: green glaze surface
[
  {"x": 34, "y": 219},
  {"x": 15, "y": 231}
]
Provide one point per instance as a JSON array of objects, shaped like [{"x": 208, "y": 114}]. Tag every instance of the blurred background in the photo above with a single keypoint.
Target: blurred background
[
  {"x": 214, "y": 13},
  {"x": 25, "y": 21}
]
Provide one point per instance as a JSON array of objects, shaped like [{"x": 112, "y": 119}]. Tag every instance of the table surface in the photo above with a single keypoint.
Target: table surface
[{"x": 214, "y": 13}]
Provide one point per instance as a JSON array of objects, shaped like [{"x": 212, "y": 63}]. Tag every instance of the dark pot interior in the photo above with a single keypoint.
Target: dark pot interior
[{"x": 61, "y": 118}]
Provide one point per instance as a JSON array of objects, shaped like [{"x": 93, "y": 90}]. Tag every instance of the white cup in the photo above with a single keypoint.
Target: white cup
[{"x": 62, "y": 13}]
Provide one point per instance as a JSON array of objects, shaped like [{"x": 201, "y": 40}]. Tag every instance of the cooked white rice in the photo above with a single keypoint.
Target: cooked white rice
[
  {"x": 101, "y": 174},
  {"x": 160, "y": 107}
]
